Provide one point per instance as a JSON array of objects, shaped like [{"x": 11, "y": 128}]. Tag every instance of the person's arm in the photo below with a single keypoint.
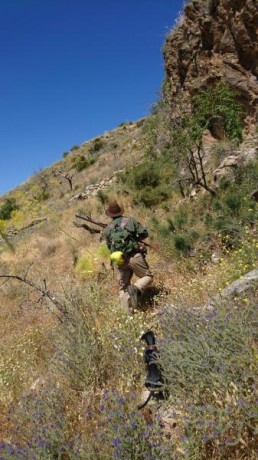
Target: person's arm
[
  {"x": 142, "y": 232},
  {"x": 106, "y": 234},
  {"x": 137, "y": 229}
]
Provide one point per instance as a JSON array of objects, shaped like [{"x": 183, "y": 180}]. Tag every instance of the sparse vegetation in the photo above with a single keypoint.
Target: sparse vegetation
[
  {"x": 71, "y": 360},
  {"x": 207, "y": 361},
  {"x": 103, "y": 197}
]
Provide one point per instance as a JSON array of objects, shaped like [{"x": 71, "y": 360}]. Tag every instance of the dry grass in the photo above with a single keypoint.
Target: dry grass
[{"x": 98, "y": 335}]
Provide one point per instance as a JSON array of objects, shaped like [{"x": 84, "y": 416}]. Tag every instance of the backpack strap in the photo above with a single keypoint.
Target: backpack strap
[
  {"x": 123, "y": 223},
  {"x": 114, "y": 225}
]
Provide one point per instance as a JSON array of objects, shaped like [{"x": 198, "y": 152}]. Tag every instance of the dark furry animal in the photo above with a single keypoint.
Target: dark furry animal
[{"x": 154, "y": 381}]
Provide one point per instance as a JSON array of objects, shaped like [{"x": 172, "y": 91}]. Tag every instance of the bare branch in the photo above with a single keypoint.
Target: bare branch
[
  {"x": 32, "y": 224},
  {"x": 67, "y": 176},
  {"x": 44, "y": 293},
  {"x": 27, "y": 271}
]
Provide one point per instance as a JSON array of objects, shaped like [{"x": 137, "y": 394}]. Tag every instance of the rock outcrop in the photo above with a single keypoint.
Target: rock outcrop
[
  {"x": 216, "y": 39},
  {"x": 246, "y": 153},
  {"x": 94, "y": 189},
  {"x": 247, "y": 283}
]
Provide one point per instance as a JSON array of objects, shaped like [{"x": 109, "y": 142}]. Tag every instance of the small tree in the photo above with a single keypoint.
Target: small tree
[
  {"x": 216, "y": 106},
  {"x": 67, "y": 176}
]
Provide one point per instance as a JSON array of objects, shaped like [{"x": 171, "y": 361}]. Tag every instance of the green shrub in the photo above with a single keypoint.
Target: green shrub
[
  {"x": 43, "y": 195},
  {"x": 142, "y": 176},
  {"x": 150, "y": 197},
  {"x": 65, "y": 154},
  {"x": 219, "y": 105},
  {"x": 216, "y": 205},
  {"x": 97, "y": 145},
  {"x": 7, "y": 208},
  {"x": 233, "y": 201},
  {"x": 181, "y": 243},
  {"x": 75, "y": 147},
  {"x": 80, "y": 162}
]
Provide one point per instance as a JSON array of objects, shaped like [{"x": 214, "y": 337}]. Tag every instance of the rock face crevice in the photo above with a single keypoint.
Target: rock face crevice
[{"x": 216, "y": 39}]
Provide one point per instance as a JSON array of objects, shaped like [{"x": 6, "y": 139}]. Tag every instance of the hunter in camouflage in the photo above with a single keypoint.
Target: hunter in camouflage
[{"x": 125, "y": 234}]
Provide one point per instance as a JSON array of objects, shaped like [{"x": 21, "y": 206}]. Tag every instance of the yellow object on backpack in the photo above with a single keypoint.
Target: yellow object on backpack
[{"x": 117, "y": 258}]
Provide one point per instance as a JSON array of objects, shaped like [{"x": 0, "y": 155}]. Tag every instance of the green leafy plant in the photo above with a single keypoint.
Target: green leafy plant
[
  {"x": 218, "y": 106},
  {"x": 149, "y": 196},
  {"x": 142, "y": 176},
  {"x": 180, "y": 137},
  {"x": 97, "y": 145},
  {"x": 7, "y": 208},
  {"x": 80, "y": 162}
]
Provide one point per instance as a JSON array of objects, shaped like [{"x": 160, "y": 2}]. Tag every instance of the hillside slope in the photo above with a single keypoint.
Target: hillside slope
[{"x": 71, "y": 360}]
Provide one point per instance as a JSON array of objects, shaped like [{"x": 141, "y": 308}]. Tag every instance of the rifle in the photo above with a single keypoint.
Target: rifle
[
  {"x": 89, "y": 219},
  {"x": 100, "y": 224}
]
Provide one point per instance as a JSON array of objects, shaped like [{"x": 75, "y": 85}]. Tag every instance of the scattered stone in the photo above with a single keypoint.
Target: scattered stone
[
  {"x": 39, "y": 383},
  {"x": 168, "y": 422},
  {"x": 79, "y": 196},
  {"x": 215, "y": 258}
]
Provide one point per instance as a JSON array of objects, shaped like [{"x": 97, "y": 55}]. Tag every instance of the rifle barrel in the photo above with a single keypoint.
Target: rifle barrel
[
  {"x": 88, "y": 219},
  {"x": 101, "y": 224}
]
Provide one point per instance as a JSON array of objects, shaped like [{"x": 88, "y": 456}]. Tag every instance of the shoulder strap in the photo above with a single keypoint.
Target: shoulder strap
[
  {"x": 123, "y": 222},
  {"x": 114, "y": 224}
]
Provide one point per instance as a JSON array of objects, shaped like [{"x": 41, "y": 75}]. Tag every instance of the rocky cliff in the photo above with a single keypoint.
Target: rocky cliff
[{"x": 215, "y": 39}]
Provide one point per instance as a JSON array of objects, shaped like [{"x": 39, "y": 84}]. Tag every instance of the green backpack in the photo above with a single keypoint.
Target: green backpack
[{"x": 121, "y": 239}]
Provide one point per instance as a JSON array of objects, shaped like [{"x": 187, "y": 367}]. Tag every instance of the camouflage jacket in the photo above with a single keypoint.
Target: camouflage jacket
[{"x": 136, "y": 229}]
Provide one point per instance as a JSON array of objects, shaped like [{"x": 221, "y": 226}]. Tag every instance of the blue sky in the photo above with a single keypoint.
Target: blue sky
[{"x": 72, "y": 69}]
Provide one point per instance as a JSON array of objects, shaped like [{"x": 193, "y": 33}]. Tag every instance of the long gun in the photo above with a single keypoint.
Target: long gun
[{"x": 102, "y": 225}]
